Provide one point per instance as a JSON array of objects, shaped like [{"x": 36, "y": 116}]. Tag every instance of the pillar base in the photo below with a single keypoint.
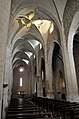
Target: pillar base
[
  {"x": 50, "y": 95},
  {"x": 72, "y": 98},
  {"x": 40, "y": 94}
]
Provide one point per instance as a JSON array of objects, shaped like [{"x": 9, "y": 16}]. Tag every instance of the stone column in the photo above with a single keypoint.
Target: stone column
[
  {"x": 4, "y": 26},
  {"x": 71, "y": 83},
  {"x": 6, "y": 81},
  {"x": 1, "y": 83},
  {"x": 30, "y": 82},
  {"x": 32, "y": 73},
  {"x": 10, "y": 78},
  {"x": 5, "y": 101},
  {"x": 8, "y": 72},
  {"x": 37, "y": 59},
  {"x": 49, "y": 80},
  {"x": 39, "y": 87},
  {"x": 37, "y": 65}
]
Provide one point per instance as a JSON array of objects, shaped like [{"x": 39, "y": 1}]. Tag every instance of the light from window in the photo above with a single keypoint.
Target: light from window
[
  {"x": 51, "y": 28},
  {"x": 20, "y": 81},
  {"x": 34, "y": 56},
  {"x": 21, "y": 69}
]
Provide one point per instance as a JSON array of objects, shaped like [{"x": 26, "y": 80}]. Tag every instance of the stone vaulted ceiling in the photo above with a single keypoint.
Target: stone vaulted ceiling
[{"x": 31, "y": 20}]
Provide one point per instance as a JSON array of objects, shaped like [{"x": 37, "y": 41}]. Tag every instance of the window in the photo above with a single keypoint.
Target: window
[
  {"x": 21, "y": 69},
  {"x": 20, "y": 81}
]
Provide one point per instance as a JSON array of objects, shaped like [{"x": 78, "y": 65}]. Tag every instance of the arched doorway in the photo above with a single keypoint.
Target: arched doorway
[
  {"x": 58, "y": 73},
  {"x": 76, "y": 56},
  {"x": 43, "y": 76}
]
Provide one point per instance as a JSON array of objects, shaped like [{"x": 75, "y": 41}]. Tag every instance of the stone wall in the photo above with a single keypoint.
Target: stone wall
[
  {"x": 57, "y": 67},
  {"x": 71, "y": 8},
  {"x": 4, "y": 26},
  {"x": 53, "y": 37},
  {"x": 25, "y": 80}
]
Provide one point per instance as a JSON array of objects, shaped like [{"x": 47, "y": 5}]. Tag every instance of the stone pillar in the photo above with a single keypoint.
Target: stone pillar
[
  {"x": 30, "y": 82},
  {"x": 49, "y": 80},
  {"x": 8, "y": 72},
  {"x": 1, "y": 84},
  {"x": 6, "y": 81},
  {"x": 37, "y": 59},
  {"x": 37, "y": 65},
  {"x": 10, "y": 78},
  {"x": 4, "y": 26},
  {"x": 71, "y": 83},
  {"x": 30, "y": 78},
  {"x": 32, "y": 73},
  {"x": 5, "y": 101},
  {"x": 39, "y": 87}
]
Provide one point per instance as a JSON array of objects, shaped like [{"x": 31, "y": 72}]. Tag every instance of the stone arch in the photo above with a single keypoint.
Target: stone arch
[
  {"x": 76, "y": 54},
  {"x": 18, "y": 62},
  {"x": 50, "y": 17},
  {"x": 19, "y": 53},
  {"x": 71, "y": 8},
  {"x": 72, "y": 31},
  {"x": 57, "y": 66},
  {"x": 54, "y": 36},
  {"x": 24, "y": 87},
  {"x": 40, "y": 8},
  {"x": 23, "y": 44},
  {"x": 24, "y": 33}
]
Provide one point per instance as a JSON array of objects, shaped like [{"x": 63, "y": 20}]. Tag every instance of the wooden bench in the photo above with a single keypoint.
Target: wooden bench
[
  {"x": 25, "y": 111},
  {"x": 29, "y": 115},
  {"x": 65, "y": 109}
]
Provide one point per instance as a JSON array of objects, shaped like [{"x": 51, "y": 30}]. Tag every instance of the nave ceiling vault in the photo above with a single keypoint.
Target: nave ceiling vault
[{"x": 29, "y": 29}]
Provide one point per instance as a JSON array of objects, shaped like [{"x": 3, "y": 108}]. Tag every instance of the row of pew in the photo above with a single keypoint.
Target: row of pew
[
  {"x": 41, "y": 108},
  {"x": 24, "y": 108},
  {"x": 61, "y": 109}
]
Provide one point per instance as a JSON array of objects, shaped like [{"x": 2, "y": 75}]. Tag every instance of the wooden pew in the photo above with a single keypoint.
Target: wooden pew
[
  {"x": 24, "y": 109},
  {"x": 28, "y": 115},
  {"x": 64, "y": 109}
]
